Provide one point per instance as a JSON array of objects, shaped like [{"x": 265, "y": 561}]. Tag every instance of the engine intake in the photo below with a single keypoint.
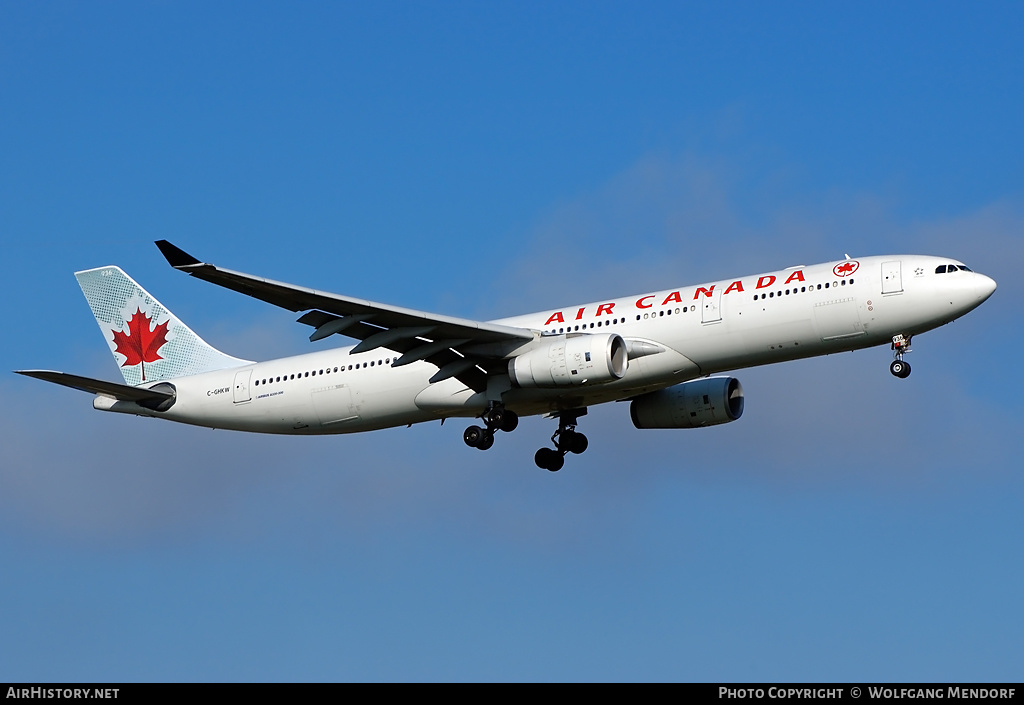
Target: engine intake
[
  {"x": 571, "y": 361},
  {"x": 701, "y": 402}
]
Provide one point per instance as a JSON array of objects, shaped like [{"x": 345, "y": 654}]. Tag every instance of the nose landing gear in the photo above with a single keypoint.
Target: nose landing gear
[
  {"x": 566, "y": 439},
  {"x": 496, "y": 418},
  {"x": 900, "y": 346}
]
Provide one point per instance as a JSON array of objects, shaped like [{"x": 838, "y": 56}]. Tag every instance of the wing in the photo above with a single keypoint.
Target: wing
[{"x": 465, "y": 349}]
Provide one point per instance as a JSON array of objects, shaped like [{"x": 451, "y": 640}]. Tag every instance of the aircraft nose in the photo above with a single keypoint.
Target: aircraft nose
[{"x": 985, "y": 287}]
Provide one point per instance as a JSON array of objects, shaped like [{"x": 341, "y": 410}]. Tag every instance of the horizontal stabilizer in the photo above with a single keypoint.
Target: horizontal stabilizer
[{"x": 121, "y": 392}]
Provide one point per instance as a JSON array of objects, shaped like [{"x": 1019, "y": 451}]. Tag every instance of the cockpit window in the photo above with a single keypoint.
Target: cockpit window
[
  {"x": 941, "y": 269},
  {"x": 966, "y": 269}
]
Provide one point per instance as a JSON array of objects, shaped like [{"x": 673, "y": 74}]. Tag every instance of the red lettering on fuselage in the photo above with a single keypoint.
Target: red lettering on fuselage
[{"x": 645, "y": 302}]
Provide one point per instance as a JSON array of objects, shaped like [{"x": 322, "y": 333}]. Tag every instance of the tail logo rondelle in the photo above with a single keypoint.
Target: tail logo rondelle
[{"x": 142, "y": 342}]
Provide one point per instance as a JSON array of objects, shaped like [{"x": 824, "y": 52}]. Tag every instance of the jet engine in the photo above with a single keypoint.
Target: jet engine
[
  {"x": 571, "y": 360},
  {"x": 701, "y": 402}
]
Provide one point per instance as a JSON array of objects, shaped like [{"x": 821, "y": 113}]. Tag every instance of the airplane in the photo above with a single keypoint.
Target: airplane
[{"x": 662, "y": 351}]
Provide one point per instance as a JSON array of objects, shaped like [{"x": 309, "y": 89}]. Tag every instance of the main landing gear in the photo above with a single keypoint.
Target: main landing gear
[
  {"x": 900, "y": 346},
  {"x": 566, "y": 439},
  {"x": 496, "y": 418}
]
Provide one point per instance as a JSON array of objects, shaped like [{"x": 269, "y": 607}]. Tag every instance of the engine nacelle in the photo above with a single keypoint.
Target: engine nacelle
[
  {"x": 571, "y": 360},
  {"x": 702, "y": 402}
]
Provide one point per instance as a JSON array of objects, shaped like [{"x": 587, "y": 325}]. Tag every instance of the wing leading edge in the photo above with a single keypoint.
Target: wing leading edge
[{"x": 458, "y": 347}]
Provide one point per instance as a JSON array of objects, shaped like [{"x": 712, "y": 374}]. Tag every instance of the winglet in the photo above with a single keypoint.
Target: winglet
[{"x": 176, "y": 256}]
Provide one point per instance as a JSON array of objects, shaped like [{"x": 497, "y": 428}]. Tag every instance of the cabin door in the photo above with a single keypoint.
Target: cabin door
[
  {"x": 892, "y": 278},
  {"x": 242, "y": 386}
]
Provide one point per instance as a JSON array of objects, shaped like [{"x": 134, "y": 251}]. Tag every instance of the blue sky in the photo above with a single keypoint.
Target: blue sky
[{"x": 486, "y": 159}]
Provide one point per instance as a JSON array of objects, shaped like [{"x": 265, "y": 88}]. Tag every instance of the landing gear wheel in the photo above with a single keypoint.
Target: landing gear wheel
[
  {"x": 486, "y": 442},
  {"x": 574, "y": 442},
  {"x": 900, "y": 369},
  {"x": 548, "y": 459},
  {"x": 474, "y": 436},
  {"x": 900, "y": 347},
  {"x": 509, "y": 421}
]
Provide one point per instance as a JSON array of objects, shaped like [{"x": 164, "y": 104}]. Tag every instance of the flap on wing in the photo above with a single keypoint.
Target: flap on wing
[{"x": 121, "y": 392}]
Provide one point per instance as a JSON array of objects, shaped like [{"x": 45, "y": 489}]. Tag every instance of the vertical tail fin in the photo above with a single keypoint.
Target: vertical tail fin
[{"x": 148, "y": 341}]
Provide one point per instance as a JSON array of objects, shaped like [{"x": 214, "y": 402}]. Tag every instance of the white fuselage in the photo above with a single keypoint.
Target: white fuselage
[{"x": 704, "y": 329}]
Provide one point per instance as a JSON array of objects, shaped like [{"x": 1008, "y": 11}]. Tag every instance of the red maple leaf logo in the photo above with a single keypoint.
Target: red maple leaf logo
[
  {"x": 140, "y": 344},
  {"x": 845, "y": 269}
]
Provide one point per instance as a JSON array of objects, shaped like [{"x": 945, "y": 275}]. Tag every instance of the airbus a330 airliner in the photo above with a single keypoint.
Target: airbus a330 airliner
[{"x": 657, "y": 350}]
